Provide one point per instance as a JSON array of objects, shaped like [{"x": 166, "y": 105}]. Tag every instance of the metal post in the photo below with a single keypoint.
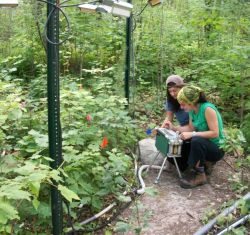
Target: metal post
[
  {"x": 54, "y": 127},
  {"x": 127, "y": 60}
]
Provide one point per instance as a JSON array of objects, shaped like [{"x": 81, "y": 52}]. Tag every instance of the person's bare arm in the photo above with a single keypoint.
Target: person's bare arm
[
  {"x": 212, "y": 123},
  {"x": 169, "y": 118},
  {"x": 185, "y": 128}
]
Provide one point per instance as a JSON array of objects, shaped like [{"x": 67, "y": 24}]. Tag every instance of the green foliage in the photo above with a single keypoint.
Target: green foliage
[
  {"x": 94, "y": 176},
  {"x": 234, "y": 145},
  {"x": 136, "y": 222},
  {"x": 234, "y": 141},
  {"x": 20, "y": 187},
  {"x": 246, "y": 128},
  {"x": 206, "y": 43},
  {"x": 244, "y": 206},
  {"x": 91, "y": 172}
]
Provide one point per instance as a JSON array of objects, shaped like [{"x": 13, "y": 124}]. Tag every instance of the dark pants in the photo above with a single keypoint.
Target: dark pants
[
  {"x": 202, "y": 150},
  {"x": 183, "y": 160},
  {"x": 198, "y": 149}
]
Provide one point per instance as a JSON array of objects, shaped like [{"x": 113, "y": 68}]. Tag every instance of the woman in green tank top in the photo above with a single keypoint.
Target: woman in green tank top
[{"x": 205, "y": 130}]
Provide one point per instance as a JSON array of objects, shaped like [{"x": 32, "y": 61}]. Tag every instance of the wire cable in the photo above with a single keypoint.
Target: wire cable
[
  {"x": 142, "y": 10},
  {"x": 51, "y": 13},
  {"x": 58, "y": 7}
]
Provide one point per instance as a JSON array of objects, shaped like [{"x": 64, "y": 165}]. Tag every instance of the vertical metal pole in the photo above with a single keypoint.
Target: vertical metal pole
[
  {"x": 54, "y": 127},
  {"x": 127, "y": 59}
]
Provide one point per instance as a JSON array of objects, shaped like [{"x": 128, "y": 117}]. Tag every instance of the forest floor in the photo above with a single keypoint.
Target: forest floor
[{"x": 174, "y": 210}]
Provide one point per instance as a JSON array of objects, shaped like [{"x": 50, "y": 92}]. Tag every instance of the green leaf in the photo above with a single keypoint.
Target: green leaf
[
  {"x": 122, "y": 227},
  {"x": 35, "y": 203},
  {"x": 7, "y": 212},
  {"x": 67, "y": 193},
  {"x": 85, "y": 200},
  {"x": 3, "y": 119},
  {"x": 97, "y": 203},
  {"x": 151, "y": 191},
  {"x": 14, "y": 191},
  {"x": 108, "y": 232},
  {"x": 94, "y": 147},
  {"x": 239, "y": 231},
  {"x": 44, "y": 210},
  {"x": 15, "y": 114},
  {"x": 40, "y": 139},
  {"x": 13, "y": 69},
  {"x": 34, "y": 188},
  {"x": 26, "y": 169},
  {"x": 123, "y": 198},
  {"x": 120, "y": 180}
]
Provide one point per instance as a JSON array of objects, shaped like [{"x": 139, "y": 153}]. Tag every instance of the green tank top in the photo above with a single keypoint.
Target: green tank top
[{"x": 200, "y": 123}]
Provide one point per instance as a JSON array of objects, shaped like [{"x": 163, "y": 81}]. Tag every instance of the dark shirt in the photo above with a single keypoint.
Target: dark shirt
[{"x": 181, "y": 116}]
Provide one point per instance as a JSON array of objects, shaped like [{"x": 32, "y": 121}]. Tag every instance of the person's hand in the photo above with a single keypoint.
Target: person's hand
[
  {"x": 167, "y": 124},
  {"x": 186, "y": 135}
]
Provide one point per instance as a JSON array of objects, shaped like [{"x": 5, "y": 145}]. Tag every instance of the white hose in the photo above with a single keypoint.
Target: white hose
[
  {"x": 212, "y": 222},
  {"x": 141, "y": 169}
]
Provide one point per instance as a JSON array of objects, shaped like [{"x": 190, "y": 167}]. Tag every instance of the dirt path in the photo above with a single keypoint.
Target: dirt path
[{"x": 174, "y": 210}]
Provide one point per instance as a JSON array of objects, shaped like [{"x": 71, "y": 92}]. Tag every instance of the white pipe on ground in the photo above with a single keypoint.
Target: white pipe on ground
[
  {"x": 238, "y": 222},
  {"x": 141, "y": 169},
  {"x": 211, "y": 223}
]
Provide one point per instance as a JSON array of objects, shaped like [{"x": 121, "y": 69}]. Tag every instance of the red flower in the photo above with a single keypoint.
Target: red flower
[
  {"x": 89, "y": 118},
  {"x": 104, "y": 142}
]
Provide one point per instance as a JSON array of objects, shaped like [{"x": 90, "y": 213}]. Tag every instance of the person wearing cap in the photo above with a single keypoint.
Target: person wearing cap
[
  {"x": 205, "y": 130},
  {"x": 174, "y": 84}
]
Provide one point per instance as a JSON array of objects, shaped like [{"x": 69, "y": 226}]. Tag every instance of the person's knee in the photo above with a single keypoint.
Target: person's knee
[{"x": 197, "y": 140}]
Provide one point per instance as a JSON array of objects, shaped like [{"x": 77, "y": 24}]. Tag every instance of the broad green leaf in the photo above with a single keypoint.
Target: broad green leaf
[
  {"x": 14, "y": 191},
  {"x": 67, "y": 193},
  {"x": 40, "y": 139},
  {"x": 38, "y": 176},
  {"x": 26, "y": 169},
  {"x": 34, "y": 188},
  {"x": 7, "y": 212}
]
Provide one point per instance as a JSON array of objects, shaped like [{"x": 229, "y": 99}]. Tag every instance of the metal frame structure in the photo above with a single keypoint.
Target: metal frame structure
[
  {"x": 54, "y": 126},
  {"x": 127, "y": 56}
]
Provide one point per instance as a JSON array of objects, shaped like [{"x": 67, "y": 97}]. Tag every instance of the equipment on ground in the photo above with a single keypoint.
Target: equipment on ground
[{"x": 169, "y": 144}]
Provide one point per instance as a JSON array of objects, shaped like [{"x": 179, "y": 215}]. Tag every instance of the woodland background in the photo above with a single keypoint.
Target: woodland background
[{"x": 206, "y": 42}]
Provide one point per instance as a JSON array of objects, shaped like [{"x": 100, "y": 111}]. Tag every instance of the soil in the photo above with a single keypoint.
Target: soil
[{"x": 174, "y": 210}]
